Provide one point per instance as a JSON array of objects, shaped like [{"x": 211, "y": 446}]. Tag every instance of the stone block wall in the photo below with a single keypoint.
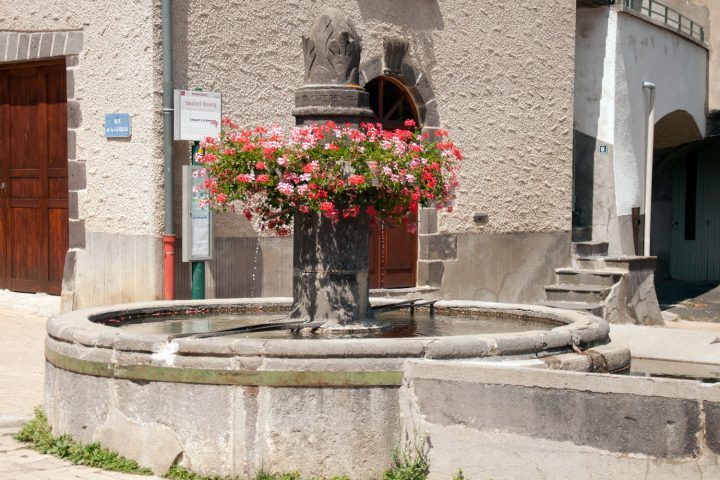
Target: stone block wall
[{"x": 503, "y": 423}]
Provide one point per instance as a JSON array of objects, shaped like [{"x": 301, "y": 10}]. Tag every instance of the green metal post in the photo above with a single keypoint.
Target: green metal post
[{"x": 198, "y": 268}]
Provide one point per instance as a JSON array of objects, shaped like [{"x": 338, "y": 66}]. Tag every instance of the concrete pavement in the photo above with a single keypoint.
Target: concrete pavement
[
  {"x": 22, "y": 361},
  {"x": 692, "y": 301},
  {"x": 17, "y": 462}
]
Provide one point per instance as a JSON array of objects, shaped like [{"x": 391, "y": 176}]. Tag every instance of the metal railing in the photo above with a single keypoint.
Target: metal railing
[{"x": 671, "y": 17}]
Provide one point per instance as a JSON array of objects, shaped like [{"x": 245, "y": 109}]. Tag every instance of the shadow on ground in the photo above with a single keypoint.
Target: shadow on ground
[{"x": 690, "y": 300}]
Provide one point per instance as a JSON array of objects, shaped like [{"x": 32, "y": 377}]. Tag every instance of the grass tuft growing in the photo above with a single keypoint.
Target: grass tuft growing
[
  {"x": 408, "y": 465},
  {"x": 177, "y": 472},
  {"x": 37, "y": 433}
]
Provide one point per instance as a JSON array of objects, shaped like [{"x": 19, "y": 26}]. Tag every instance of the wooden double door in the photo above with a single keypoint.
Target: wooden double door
[
  {"x": 33, "y": 176},
  {"x": 393, "y": 255}
]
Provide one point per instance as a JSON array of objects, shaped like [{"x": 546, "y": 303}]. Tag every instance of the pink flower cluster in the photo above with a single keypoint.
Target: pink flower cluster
[{"x": 339, "y": 171}]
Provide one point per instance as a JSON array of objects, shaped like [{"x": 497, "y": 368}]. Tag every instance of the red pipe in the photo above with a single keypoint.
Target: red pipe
[{"x": 169, "y": 267}]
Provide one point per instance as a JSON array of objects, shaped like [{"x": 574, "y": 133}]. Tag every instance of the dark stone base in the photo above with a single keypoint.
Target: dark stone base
[
  {"x": 330, "y": 271},
  {"x": 340, "y": 103}
]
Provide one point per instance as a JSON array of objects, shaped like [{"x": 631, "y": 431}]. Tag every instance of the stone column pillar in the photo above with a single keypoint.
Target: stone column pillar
[
  {"x": 330, "y": 271},
  {"x": 330, "y": 260}
]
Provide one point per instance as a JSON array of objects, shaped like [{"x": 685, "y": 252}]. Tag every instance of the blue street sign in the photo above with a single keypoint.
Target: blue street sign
[{"x": 117, "y": 125}]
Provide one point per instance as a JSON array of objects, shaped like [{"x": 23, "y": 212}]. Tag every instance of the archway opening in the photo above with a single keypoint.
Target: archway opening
[
  {"x": 393, "y": 249},
  {"x": 685, "y": 228},
  {"x": 674, "y": 129}
]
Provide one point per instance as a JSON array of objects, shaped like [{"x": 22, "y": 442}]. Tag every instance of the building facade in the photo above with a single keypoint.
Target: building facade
[
  {"x": 645, "y": 87},
  {"x": 499, "y": 77}
]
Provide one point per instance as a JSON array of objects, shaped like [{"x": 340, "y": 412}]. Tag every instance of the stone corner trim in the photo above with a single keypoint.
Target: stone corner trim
[{"x": 19, "y": 46}]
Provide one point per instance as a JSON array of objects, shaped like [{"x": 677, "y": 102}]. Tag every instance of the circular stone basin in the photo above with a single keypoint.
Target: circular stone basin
[{"x": 236, "y": 405}]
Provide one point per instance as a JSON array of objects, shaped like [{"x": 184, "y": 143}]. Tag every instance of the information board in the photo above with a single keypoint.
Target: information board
[
  {"x": 197, "y": 229},
  {"x": 197, "y": 115}
]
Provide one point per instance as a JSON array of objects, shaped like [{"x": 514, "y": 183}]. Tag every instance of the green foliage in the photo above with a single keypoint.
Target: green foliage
[
  {"x": 459, "y": 475},
  {"x": 179, "y": 473},
  {"x": 37, "y": 433},
  {"x": 263, "y": 475},
  {"x": 409, "y": 465}
]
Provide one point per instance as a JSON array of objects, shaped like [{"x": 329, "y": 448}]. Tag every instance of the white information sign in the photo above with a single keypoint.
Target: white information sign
[
  {"x": 197, "y": 115},
  {"x": 197, "y": 242}
]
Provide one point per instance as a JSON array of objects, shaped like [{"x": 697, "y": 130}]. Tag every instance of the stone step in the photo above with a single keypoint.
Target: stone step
[
  {"x": 577, "y": 293},
  {"x": 581, "y": 234},
  {"x": 578, "y": 276},
  {"x": 594, "y": 308},
  {"x": 590, "y": 249},
  {"x": 414, "y": 293},
  {"x": 622, "y": 263}
]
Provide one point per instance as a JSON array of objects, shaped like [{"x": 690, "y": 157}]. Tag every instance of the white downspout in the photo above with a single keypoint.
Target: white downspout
[{"x": 650, "y": 88}]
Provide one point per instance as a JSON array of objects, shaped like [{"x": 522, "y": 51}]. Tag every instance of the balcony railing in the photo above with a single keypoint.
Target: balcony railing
[{"x": 670, "y": 17}]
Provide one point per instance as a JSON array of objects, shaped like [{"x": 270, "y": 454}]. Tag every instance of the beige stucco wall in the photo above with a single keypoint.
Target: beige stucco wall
[
  {"x": 502, "y": 75},
  {"x": 115, "y": 253},
  {"x": 116, "y": 72}
]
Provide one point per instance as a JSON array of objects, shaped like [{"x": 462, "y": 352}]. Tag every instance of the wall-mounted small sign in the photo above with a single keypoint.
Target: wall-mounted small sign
[
  {"x": 603, "y": 148},
  {"x": 117, "y": 125},
  {"x": 197, "y": 114}
]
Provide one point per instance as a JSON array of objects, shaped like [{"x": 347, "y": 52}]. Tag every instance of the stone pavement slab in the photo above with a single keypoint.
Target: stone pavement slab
[
  {"x": 22, "y": 358},
  {"x": 17, "y": 462}
]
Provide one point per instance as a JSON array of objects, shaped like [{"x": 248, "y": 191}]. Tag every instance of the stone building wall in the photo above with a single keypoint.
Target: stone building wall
[
  {"x": 116, "y": 209},
  {"x": 499, "y": 77}
]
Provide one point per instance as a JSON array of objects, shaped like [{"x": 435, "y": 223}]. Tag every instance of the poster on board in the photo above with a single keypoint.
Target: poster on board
[
  {"x": 197, "y": 226},
  {"x": 198, "y": 115}
]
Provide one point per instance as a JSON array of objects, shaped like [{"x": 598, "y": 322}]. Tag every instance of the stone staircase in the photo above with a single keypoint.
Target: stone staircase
[
  {"x": 586, "y": 284},
  {"x": 615, "y": 288}
]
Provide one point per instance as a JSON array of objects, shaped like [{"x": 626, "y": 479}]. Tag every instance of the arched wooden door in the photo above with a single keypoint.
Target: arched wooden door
[{"x": 393, "y": 250}]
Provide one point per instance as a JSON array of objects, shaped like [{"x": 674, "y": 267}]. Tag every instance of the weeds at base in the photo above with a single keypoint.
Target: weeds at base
[
  {"x": 409, "y": 464},
  {"x": 37, "y": 433}
]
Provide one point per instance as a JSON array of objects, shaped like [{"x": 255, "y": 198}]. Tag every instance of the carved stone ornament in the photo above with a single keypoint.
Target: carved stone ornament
[
  {"x": 394, "y": 50},
  {"x": 332, "y": 50}
]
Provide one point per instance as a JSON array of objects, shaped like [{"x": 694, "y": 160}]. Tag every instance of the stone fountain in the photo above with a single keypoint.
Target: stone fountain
[{"x": 325, "y": 406}]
